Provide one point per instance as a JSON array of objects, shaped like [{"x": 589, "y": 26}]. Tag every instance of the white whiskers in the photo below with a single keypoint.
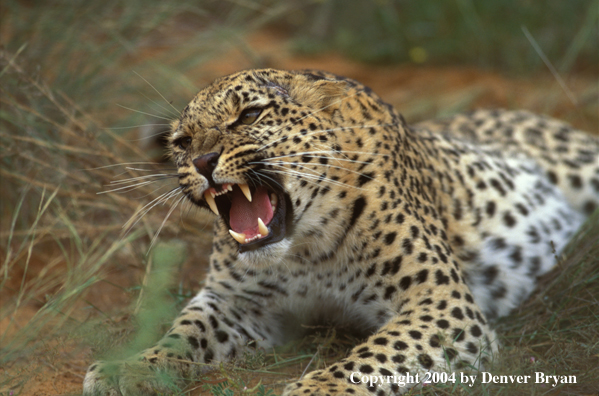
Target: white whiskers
[
  {"x": 171, "y": 210},
  {"x": 161, "y": 199}
]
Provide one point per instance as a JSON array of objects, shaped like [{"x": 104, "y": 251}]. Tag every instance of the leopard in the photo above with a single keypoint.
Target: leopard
[{"x": 331, "y": 210}]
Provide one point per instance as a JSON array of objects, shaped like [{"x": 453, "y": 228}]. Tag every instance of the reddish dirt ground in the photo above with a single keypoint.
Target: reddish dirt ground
[{"x": 417, "y": 91}]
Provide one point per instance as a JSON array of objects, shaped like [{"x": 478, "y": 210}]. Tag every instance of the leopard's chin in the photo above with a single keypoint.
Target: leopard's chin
[
  {"x": 266, "y": 256},
  {"x": 257, "y": 217}
]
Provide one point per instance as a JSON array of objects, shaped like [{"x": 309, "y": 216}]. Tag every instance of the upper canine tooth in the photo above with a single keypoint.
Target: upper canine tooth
[
  {"x": 237, "y": 236},
  {"x": 262, "y": 228},
  {"x": 209, "y": 197},
  {"x": 245, "y": 189}
]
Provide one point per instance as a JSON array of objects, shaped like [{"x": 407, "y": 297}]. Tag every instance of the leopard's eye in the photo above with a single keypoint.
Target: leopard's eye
[
  {"x": 182, "y": 142},
  {"x": 249, "y": 116}
]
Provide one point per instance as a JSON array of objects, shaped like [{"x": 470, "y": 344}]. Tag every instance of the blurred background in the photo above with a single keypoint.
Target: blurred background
[{"x": 86, "y": 89}]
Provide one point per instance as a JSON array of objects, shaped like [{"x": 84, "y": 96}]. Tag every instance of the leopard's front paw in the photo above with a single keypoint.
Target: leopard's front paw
[
  {"x": 330, "y": 382},
  {"x": 129, "y": 377}
]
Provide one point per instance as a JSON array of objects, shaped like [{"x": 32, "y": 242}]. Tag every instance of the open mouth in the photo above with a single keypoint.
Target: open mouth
[{"x": 255, "y": 216}]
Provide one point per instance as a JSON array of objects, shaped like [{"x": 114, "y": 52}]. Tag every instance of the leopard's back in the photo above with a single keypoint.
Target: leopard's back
[{"x": 569, "y": 158}]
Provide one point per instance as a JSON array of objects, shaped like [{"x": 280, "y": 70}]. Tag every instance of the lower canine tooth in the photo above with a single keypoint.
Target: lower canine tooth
[
  {"x": 210, "y": 200},
  {"x": 262, "y": 228},
  {"x": 237, "y": 236},
  {"x": 245, "y": 189}
]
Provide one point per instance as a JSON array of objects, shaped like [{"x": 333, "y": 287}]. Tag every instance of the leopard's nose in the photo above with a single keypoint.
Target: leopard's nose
[{"x": 206, "y": 164}]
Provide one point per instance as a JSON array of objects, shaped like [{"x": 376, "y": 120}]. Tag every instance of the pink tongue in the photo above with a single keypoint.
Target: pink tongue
[{"x": 244, "y": 214}]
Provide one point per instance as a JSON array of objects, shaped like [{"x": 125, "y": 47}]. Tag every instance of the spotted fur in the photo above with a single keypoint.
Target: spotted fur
[{"x": 411, "y": 237}]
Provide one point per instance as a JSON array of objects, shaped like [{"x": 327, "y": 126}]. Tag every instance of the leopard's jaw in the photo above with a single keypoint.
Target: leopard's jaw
[{"x": 266, "y": 256}]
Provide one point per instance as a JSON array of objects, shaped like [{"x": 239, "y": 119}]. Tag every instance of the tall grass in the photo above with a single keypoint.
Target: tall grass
[{"x": 485, "y": 33}]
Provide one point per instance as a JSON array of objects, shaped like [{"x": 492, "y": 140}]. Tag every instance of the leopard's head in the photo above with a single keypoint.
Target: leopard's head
[{"x": 259, "y": 147}]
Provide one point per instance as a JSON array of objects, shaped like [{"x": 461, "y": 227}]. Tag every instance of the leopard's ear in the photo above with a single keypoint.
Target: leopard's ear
[
  {"x": 174, "y": 125},
  {"x": 318, "y": 92}
]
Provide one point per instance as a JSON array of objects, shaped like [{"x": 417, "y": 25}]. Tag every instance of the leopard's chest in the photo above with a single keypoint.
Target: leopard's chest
[{"x": 306, "y": 300}]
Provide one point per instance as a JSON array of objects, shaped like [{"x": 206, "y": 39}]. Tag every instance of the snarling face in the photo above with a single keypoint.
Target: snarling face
[{"x": 257, "y": 147}]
